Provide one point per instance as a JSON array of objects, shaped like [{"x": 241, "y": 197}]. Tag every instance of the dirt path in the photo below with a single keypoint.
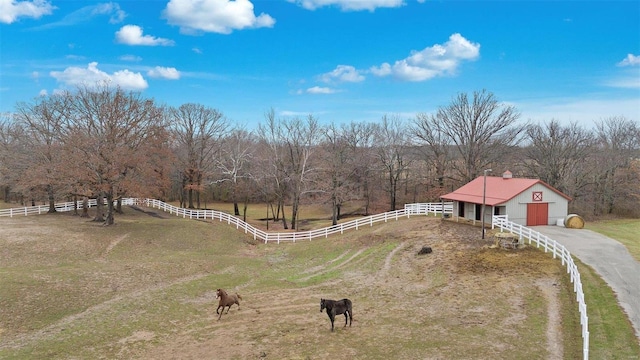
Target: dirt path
[
  {"x": 113, "y": 244},
  {"x": 554, "y": 333},
  {"x": 388, "y": 259}
]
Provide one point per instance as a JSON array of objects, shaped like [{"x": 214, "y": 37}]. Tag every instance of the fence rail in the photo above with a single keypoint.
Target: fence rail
[
  {"x": 43, "y": 209},
  {"x": 558, "y": 251}
]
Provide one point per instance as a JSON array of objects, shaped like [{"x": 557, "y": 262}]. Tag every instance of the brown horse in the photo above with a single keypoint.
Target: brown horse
[
  {"x": 226, "y": 300},
  {"x": 338, "y": 307}
]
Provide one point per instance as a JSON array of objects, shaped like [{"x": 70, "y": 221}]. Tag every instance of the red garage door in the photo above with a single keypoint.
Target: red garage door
[{"x": 537, "y": 214}]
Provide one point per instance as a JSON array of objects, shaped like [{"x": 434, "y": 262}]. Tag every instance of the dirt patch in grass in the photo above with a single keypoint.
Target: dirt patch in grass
[{"x": 150, "y": 296}]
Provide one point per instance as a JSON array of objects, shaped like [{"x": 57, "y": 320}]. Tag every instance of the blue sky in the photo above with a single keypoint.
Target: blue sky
[{"x": 340, "y": 60}]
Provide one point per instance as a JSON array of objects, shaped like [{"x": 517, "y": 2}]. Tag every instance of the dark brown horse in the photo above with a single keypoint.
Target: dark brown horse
[
  {"x": 226, "y": 300},
  {"x": 337, "y": 307}
]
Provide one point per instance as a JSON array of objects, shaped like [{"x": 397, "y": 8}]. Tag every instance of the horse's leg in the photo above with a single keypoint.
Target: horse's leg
[
  {"x": 346, "y": 317},
  {"x": 228, "y": 308},
  {"x": 332, "y": 317},
  {"x": 217, "y": 310}
]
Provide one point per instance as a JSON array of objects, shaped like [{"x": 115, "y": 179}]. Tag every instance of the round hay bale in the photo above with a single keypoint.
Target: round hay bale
[{"x": 574, "y": 221}]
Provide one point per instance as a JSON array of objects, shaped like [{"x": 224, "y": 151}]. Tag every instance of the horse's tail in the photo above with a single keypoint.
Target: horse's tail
[
  {"x": 349, "y": 307},
  {"x": 239, "y": 297}
]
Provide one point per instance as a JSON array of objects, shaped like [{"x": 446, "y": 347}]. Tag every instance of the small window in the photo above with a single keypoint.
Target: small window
[{"x": 537, "y": 196}]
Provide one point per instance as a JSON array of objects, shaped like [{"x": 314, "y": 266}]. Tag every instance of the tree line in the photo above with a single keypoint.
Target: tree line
[{"x": 106, "y": 143}]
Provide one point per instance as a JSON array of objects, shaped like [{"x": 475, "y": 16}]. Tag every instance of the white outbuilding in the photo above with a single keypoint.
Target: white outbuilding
[{"x": 527, "y": 202}]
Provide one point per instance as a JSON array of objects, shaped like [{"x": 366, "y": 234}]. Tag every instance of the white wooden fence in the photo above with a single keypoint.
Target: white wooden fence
[
  {"x": 410, "y": 209},
  {"x": 42, "y": 209},
  {"x": 558, "y": 251}
]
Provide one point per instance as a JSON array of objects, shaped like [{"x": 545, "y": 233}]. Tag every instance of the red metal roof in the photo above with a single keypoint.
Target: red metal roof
[{"x": 499, "y": 190}]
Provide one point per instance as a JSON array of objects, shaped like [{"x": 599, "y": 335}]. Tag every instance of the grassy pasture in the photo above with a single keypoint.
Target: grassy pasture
[{"x": 145, "y": 288}]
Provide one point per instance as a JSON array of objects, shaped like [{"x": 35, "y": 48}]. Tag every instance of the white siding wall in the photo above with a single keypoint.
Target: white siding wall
[{"x": 517, "y": 207}]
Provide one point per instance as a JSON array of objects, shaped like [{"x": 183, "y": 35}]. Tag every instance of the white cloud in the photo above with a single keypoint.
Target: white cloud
[
  {"x": 632, "y": 82},
  {"x": 320, "y": 90},
  {"x": 164, "y": 72},
  {"x": 130, "y": 57},
  {"x": 43, "y": 92},
  {"x": 11, "y": 10},
  {"x": 630, "y": 60},
  {"x": 75, "y": 57},
  {"x": 291, "y": 113},
  {"x": 342, "y": 73},
  {"x": 382, "y": 70},
  {"x": 112, "y": 9},
  {"x": 218, "y": 16},
  {"x": 630, "y": 77},
  {"x": 196, "y": 50},
  {"x": 437, "y": 60},
  {"x": 583, "y": 110},
  {"x": 132, "y": 35},
  {"x": 91, "y": 75},
  {"x": 349, "y": 5},
  {"x": 87, "y": 14}
]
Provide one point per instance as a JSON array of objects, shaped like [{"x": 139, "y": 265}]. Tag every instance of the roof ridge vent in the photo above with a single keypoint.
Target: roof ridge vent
[{"x": 507, "y": 175}]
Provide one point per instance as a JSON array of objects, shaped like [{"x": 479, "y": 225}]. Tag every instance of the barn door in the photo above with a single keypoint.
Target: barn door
[{"x": 537, "y": 214}]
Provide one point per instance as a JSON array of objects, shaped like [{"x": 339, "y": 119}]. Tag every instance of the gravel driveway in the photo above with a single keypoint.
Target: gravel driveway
[{"x": 610, "y": 259}]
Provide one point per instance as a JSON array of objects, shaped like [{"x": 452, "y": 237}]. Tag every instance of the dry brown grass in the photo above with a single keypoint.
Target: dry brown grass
[{"x": 144, "y": 288}]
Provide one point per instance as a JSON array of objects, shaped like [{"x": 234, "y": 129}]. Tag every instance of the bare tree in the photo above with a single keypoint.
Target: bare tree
[
  {"x": 236, "y": 153},
  {"x": 481, "y": 129},
  {"x": 268, "y": 179},
  {"x": 273, "y": 160},
  {"x": 617, "y": 144},
  {"x": 555, "y": 152},
  {"x": 292, "y": 142},
  {"x": 435, "y": 145},
  {"x": 198, "y": 130},
  {"x": 361, "y": 140},
  {"x": 339, "y": 167},
  {"x": 391, "y": 146}
]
